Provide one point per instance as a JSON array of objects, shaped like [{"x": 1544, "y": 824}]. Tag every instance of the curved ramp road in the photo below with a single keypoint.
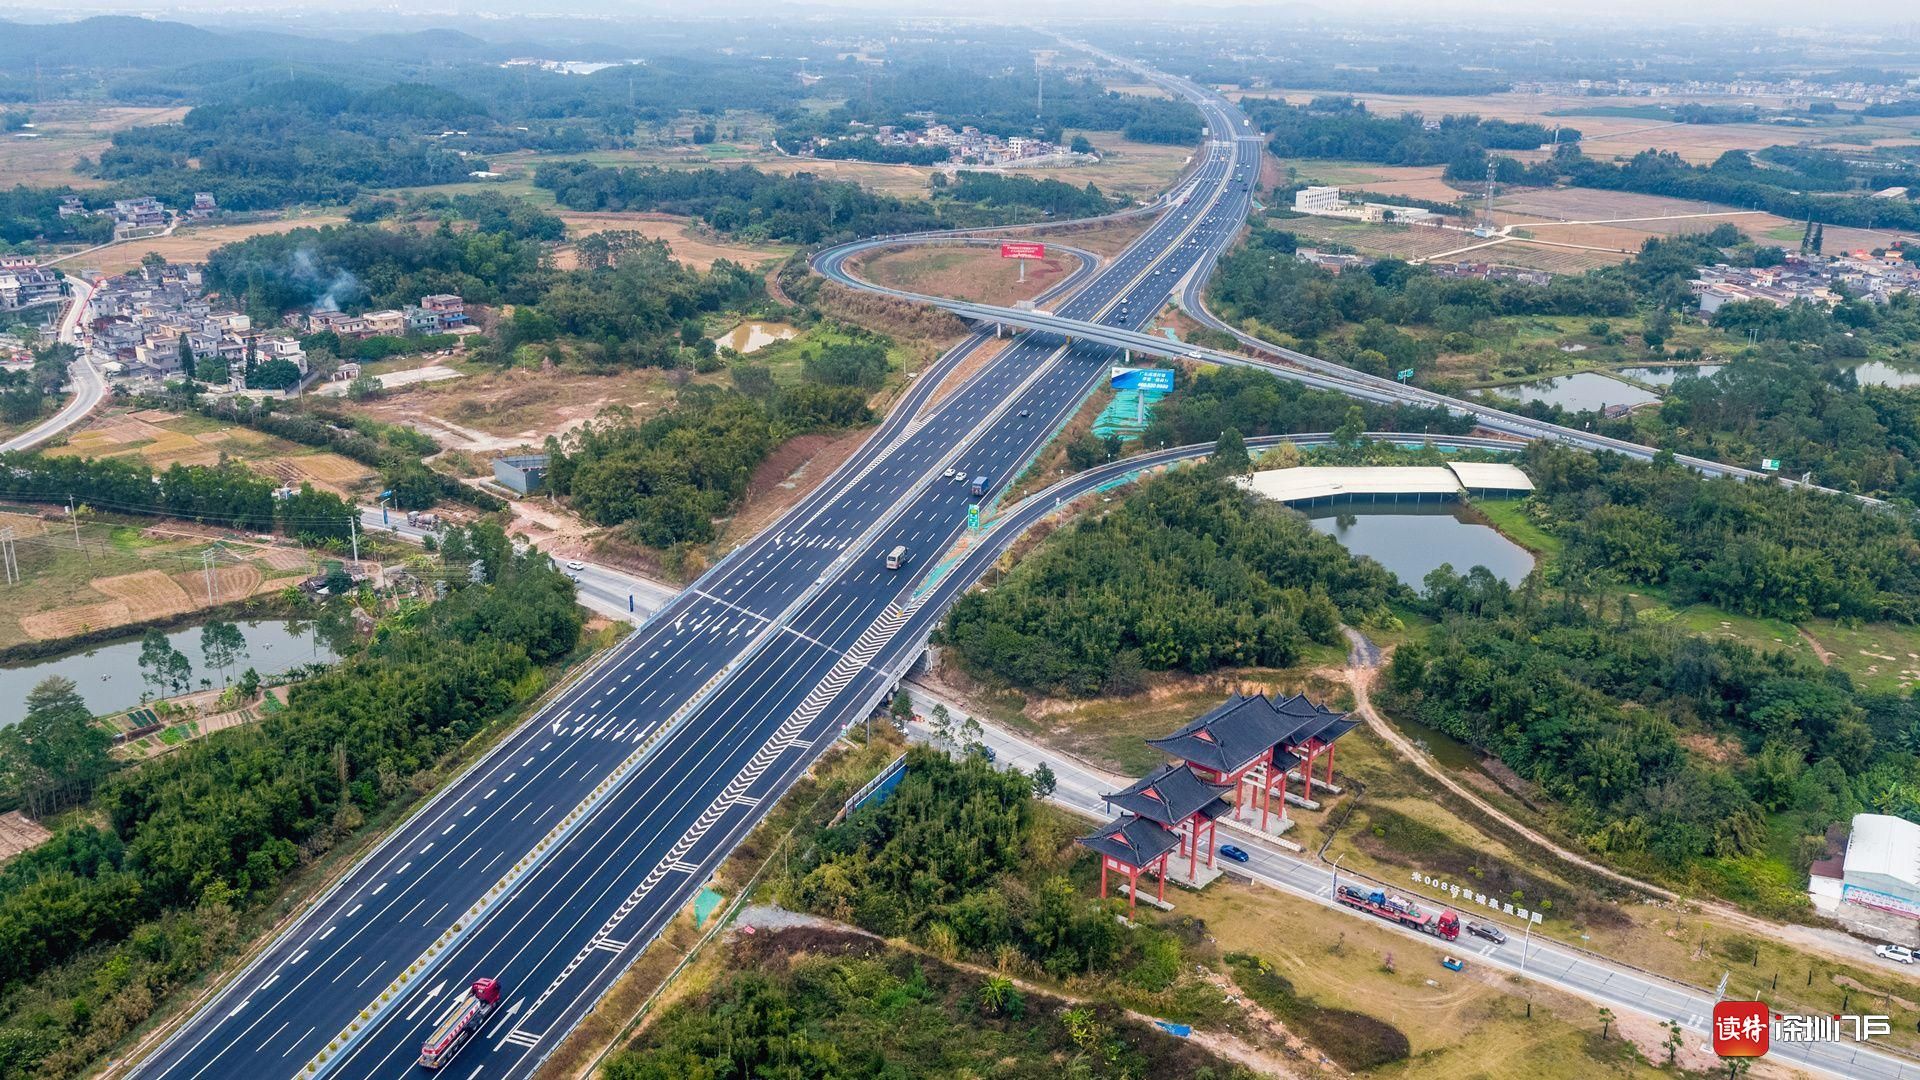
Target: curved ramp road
[
  {"x": 89, "y": 387},
  {"x": 555, "y": 859}
]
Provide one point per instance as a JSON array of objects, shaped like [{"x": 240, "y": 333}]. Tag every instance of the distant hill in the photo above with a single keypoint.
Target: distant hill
[{"x": 118, "y": 42}]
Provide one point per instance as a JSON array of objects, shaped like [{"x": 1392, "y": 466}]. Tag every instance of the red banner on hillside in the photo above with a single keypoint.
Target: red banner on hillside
[{"x": 1023, "y": 251}]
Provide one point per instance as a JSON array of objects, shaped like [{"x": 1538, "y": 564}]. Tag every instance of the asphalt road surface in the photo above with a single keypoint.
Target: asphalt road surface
[
  {"x": 555, "y": 859},
  {"x": 87, "y": 383},
  {"x": 1538, "y": 959}
]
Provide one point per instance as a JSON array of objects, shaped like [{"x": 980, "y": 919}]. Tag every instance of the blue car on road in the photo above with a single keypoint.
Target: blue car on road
[{"x": 1228, "y": 851}]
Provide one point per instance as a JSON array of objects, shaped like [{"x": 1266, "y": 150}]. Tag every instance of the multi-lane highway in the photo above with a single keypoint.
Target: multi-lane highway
[{"x": 557, "y": 857}]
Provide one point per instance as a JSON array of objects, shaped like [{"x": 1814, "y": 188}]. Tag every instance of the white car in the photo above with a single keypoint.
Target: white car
[
  {"x": 1897, "y": 953},
  {"x": 576, "y": 565}
]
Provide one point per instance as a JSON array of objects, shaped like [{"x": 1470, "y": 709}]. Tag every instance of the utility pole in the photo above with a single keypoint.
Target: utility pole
[
  {"x": 75, "y": 518},
  {"x": 1487, "y": 214},
  {"x": 353, "y": 529}
]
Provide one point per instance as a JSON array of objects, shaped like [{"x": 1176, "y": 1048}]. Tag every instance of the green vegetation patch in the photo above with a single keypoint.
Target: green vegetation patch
[{"x": 830, "y": 1004}]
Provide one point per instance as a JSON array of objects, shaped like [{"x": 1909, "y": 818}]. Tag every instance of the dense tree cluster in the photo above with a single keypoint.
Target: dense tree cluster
[
  {"x": 225, "y": 495},
  {"x": 30, "y": 214},
  {"x": 1255, "y": 403},
  {"x": 360, "y": 266},
  {"x": 1187, "y": 574},
  {"x": 1342, "y": 128},
  {"x": 1607, "y": 714},
  {"x": 986, "y": 96},
  {"x": 803, "y": 208},
  {"x": 1795, "y": 408},
  {"x": 666, "y": 480},
  {"x": 173, "y": 846},
  {"x": 300, "y": 140},
  {"x": 1759, "y": 549}
]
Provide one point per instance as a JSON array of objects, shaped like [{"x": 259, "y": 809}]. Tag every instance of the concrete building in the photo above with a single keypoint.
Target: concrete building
[
  {"x": 24, "y": 283},
  {"x": 389, "y": 322},
  {"x": 1317, "y": 200},
  {"x": 1875, "y": 887},
  {"x": 524, "y": 473}
]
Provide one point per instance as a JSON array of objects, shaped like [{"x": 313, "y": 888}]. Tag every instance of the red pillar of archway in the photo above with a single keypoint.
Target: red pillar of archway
[
  {"x": 1103, "y": 877},
  {"x": 1329, "y": 765},
  {"x": 1163, "y": 878},
  {"x": 1213, "y": 840}
]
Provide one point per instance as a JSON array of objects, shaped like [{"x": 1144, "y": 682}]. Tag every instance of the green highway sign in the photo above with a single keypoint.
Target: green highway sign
[
  {"x": 1771, "y": 464},
  {"x": 1405, "y": 374},
  {"x": 973, "y": 515}
]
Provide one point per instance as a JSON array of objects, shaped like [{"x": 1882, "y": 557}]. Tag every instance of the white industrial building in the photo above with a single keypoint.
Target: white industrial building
[
  {"x": 1316, "y": 200},
  {"x": 1875, "y": 887},
  {"x": 1320, "y": 485}
]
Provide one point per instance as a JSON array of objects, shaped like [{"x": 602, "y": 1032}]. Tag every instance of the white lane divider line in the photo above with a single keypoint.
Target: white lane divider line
[{"x": 789, "y": 734}]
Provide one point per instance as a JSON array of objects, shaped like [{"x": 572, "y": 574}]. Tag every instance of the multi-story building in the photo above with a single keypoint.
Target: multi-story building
[
  {"x": 24, "y": 283},
  {"x": 1317, "y": 200}
]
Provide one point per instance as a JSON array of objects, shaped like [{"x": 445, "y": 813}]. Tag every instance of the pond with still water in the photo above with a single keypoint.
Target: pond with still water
[
  {"x": 108, "y": 676},
  {"x": 1580, "y": 392},
  {"x": 1413, "y": 539}
]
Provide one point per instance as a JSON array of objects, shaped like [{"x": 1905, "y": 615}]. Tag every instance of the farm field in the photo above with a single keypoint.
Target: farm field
[
  {"x": 192, "y": 243},
  {"x": 122, "y": 574},
  {"x": 162, "y": 439},
  {"x": 67, "y": 132}
]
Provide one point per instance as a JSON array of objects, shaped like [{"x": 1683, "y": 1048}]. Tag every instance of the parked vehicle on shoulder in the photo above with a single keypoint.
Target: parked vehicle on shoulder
[
  {"x": 1897, "y": 953},
  {"x": 1228, "y": 851},
  {"x": 1490, "y": 933}
]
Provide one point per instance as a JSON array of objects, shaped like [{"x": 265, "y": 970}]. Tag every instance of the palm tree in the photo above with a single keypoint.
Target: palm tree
[{"x": 995, "y": 992}]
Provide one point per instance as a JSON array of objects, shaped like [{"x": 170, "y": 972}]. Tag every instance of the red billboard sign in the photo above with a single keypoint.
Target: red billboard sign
[{"x": 1023, "y": 251}]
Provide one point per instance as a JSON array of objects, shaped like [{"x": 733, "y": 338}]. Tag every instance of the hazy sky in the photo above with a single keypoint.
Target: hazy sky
[{"x": 1900, "y": 18}]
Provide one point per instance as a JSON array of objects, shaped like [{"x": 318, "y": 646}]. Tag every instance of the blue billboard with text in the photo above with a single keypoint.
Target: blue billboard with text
[{"x": 1125, "y": 378}]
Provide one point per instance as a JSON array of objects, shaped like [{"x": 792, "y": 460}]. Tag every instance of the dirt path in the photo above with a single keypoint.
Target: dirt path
[
  {"x": 1819, "y": 650},
  {"x": 1361, "y": 679}
]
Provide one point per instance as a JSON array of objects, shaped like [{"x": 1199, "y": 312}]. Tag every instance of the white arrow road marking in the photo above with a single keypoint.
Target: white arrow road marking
[
  {"x": 504, "y": 1017},
  {"x": 427, "y": 999}
]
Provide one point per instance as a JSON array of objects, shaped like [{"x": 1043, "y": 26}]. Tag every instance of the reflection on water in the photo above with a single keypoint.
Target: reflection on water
[
  {"x": 1412, "y": 539},
  {"x": 749, "y": 336},
  {"x": 108, "y": 676},
  {"x": 1664, "y": 376},
  {"x": 1580, "y": 392},
  {"x": 1881, "y": 373}
]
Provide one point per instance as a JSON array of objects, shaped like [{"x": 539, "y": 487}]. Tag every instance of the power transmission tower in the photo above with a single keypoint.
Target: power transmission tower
[
  {"x": 1040, "y": 101},
  {"x": 206, "y": 571},
  {"x": 1486, "y": 214},
  {"x": 8, "y": 556}
]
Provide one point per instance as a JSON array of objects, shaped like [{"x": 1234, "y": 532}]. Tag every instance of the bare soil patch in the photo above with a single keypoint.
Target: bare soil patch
[
  {"x": 20, "y": 833},
  {"x": 693, "y": 244},
  {"x": 795, "y": 467},
  {"x": 964, "y": 273}
]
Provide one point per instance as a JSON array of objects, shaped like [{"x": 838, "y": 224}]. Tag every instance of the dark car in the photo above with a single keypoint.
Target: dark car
[
  {"x": 1228, "y": 851},
  {"x": 1024, "y": 413},
  {"x": 1491, "y": 933}
]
